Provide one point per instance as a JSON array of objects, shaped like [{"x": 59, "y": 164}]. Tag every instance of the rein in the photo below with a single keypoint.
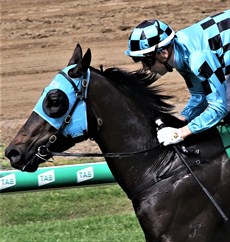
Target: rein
[{"x": 111, "y": 155}]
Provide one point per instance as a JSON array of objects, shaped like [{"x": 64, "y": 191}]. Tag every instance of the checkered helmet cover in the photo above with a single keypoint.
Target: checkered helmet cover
[{"x": 149, "y": 36}]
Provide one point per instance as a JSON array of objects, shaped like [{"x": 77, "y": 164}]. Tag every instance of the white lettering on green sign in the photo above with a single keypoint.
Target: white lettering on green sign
[
  {"x": 85, "y": 174},
  {"x": 7, "y": 181},
  {"x": 46, "y": 178}
]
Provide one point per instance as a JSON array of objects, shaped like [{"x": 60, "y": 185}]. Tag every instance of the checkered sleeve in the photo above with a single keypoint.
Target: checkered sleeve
[{"x": 207, "y": 67}]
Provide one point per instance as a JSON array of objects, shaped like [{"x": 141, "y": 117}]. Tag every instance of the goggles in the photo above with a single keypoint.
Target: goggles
[{"x": 148, "y": 60}]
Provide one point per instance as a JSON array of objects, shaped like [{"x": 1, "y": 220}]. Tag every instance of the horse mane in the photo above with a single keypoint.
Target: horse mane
[{"x": 137, "y": 85}]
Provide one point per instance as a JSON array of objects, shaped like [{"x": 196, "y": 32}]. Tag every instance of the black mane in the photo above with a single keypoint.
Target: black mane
[{"x": 137, "y": 85}]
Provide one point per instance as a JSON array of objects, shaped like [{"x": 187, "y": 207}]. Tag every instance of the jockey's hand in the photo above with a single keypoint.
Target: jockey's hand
[{"x": 169, "y": 136}]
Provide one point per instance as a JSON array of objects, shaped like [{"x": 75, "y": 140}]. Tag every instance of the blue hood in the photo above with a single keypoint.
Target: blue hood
[{"x": 78, "y": 124}]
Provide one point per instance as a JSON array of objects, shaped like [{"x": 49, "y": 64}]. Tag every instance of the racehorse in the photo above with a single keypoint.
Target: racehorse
[{"x": 117, "y": 109}]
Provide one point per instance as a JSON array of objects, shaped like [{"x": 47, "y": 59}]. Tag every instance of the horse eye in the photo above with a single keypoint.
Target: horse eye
[{"x": 56, "y": 103}]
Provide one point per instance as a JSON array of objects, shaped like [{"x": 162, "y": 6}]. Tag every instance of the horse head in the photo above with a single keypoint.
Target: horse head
[{"x": 50, "y": 126}]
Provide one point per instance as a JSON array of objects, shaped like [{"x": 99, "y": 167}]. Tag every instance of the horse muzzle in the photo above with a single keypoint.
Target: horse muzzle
[{"x": 18, "y": 161}]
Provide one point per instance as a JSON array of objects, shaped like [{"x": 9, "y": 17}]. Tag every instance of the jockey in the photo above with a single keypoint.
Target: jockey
[{"x": 201, "y": 54}]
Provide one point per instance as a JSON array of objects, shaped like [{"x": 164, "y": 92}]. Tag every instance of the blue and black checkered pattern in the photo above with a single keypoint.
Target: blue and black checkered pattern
[
  {"x": 217, "y": 28},
  {"x": 202, "y": 56},
  {"x": 148, "y": 34}
]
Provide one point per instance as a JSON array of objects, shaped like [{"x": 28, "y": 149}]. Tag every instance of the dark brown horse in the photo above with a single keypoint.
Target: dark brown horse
[{"x": 117, "y": 109}]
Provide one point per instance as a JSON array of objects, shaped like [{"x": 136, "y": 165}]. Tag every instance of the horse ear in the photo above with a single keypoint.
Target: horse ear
[
  {"x": 82, "y": 65},
  {"x": 86, "y": 61},
  {"x": 77, "y": 55}
]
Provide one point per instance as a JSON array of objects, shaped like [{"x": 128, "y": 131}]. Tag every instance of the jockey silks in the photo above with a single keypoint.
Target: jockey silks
[{"x": 202, "y": 57}]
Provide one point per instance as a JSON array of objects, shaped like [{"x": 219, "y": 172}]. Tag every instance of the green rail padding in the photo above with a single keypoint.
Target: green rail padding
[
  {"x": 225, "y": 136},
  {"x": 56, "y": 177}
]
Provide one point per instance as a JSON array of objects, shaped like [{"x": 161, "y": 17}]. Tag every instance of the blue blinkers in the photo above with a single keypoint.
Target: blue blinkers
[{"x": 61, "y": 83}]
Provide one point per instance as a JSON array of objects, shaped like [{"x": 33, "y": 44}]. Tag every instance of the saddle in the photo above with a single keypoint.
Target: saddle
[{"x": 210, "y": 143}]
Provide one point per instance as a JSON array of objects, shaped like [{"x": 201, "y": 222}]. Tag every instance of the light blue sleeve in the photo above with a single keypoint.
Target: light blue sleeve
[
  {"x": 206, "y": 66},
  {"x": 195, "y": 106}
]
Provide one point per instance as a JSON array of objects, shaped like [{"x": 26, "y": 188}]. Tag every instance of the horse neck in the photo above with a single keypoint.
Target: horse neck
[{"x": 125, "y": 128}]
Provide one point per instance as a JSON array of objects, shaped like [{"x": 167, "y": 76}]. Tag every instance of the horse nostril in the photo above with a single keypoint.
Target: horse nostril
[{"x": 13, "y": 155}]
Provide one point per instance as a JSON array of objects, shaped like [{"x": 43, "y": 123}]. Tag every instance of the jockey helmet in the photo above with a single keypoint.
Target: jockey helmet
[{"x": 148, "y": 37}]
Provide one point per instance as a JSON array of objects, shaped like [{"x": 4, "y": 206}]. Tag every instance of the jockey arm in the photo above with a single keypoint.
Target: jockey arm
[{"x": 208, "y": 102}]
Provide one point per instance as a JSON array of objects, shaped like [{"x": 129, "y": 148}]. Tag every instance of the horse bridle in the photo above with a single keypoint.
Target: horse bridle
[{"x": 43, "y": 151}]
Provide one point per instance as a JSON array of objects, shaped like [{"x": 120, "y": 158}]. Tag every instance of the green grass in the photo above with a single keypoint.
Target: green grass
[
  {"x": 84, "y": 214},
  {"x": 97, "y": 228},
  {"x": 99, "y": 214}
]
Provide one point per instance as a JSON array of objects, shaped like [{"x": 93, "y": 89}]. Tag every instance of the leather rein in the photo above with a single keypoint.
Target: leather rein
[{"x": 109, "y": 155}]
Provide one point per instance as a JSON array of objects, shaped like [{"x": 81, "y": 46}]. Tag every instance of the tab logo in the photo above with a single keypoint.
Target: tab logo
[
  {"x": 85, "y": 174},
  {"x": 7, "y": 181},
  {"x": 46, "y": 178}
]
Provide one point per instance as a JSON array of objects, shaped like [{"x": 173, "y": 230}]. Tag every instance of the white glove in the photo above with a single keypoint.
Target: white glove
[{"x": 169, "y": 136}]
